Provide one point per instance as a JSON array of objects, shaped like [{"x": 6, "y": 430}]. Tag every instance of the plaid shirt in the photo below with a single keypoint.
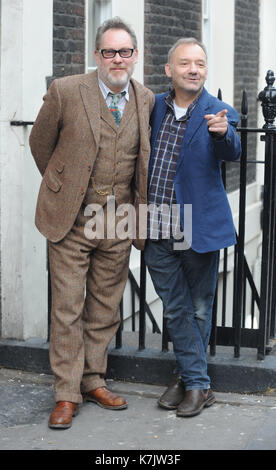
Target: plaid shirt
[{"x": 166, "y": 223}]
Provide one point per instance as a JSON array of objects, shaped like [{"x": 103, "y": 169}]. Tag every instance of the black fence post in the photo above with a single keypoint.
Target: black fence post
[
  {"x": 142, "y": 311},
  {"x": 268, "y": 100},
  {"x": 273, "y": 257},
  {"x": 241, "y": 238},
  {"x": 118, "y": 339}
]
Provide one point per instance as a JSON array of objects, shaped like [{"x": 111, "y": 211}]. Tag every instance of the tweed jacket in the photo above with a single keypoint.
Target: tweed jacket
[{"x": 65, "y": 141}]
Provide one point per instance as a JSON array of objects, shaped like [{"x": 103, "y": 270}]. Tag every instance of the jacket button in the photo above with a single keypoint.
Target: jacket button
[{"x": 89, "y": 168}]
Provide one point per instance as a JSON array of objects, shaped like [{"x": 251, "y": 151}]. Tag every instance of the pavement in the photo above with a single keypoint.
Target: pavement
[{"x": 235, "y": 422}]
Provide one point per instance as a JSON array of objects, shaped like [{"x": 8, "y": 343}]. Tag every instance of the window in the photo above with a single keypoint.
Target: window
[{"x": 97, "y": 11}]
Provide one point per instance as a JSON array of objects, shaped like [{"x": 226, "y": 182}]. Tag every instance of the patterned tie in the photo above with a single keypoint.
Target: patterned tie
[{"x": 114, "y": 106}]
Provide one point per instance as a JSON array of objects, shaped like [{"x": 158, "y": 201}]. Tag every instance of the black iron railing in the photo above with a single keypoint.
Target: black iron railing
[{"x": 144, "y": 309}]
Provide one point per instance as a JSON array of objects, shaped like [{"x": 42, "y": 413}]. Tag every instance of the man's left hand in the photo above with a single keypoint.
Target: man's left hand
[{"x": 217, "y": 123}]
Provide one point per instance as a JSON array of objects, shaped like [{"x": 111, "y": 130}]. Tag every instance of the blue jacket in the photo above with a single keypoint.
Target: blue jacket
[{"x": 198, "y": 179}]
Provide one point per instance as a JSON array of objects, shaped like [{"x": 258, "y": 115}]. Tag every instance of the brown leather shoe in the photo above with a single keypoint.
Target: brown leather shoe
[
  {"x": 61, "y": 416},
  {"x": 174, "y": 395},
  {"x": 105, "y": 398},
  {"x": 195, "y": 401}
]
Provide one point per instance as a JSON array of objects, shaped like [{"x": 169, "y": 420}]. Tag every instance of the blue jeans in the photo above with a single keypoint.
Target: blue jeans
[{"x": 186, "y": 282}]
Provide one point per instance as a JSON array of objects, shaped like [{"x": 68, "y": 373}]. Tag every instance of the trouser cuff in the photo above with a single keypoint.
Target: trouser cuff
[
  {"x": 92, "y": 384},
  {"x": 65, "y": 396}
]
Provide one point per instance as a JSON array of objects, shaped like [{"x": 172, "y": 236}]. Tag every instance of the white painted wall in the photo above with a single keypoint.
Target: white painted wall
[
  {"x": 220, "y": 43},
  {"x": 252, "y": 247},
  {"x": 11, "y": 171},
  {"x": 26, "y": 60},
  {"x": 267, "y": 39},
  {"x": 267, "y": 62}
]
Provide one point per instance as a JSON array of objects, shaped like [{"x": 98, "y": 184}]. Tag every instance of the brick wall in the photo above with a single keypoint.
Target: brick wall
[
  {"x": 165, "y": 22},
  {"x": 68, "y": 37}
]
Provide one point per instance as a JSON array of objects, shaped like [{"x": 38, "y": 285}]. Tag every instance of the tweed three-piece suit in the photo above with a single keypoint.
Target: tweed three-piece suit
[{"x": 85, "y": 158}]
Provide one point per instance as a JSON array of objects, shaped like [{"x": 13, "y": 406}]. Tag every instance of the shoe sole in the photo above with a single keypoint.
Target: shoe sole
[
  {"x": 59, "y": 426},
  {"x": 107, "y": 407},
  {"x": 206, "y": 404},
  {"x": 63, "y": 426},
  {"x": 167, "y": 407}
]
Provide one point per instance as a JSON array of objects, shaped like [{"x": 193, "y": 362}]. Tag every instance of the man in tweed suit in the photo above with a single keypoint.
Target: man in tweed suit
[{"x": 88, "y": 156}]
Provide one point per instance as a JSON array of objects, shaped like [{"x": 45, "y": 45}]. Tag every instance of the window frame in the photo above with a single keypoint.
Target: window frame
[{"x": 104, "y": 12}]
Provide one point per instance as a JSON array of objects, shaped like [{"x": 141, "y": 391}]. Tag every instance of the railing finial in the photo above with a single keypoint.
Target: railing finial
[
  {"x": 268, "y": 100},
  {"x": 244, "y": 104}
]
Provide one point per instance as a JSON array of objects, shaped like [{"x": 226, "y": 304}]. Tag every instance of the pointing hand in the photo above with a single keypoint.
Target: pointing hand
[{"x": 217, "y": 123}]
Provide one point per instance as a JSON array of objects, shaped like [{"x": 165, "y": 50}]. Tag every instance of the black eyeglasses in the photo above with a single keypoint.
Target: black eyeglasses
[{"x": 110, "y": 53}]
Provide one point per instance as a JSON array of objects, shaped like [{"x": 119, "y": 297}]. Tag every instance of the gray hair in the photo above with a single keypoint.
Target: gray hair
[
  {"x": 185, "y": 41},
  {"x": 114, "y": 23}
]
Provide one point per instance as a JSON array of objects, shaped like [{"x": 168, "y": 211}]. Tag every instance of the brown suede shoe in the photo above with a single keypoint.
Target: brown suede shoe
[
  {"x": 61, "y": 416},
  {"x": 173, "y": 395},
  {"x": 105, "y": 398},
  {"x": 195, "y": 401}
]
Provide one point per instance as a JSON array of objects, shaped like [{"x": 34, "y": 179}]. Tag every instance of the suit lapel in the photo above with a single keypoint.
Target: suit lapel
[
  {"x": 141, "y": 173},
  {"x": 197, "y": 118},
  {"x": 157, "y": 117},
  {"x": 195, "y": 122},
  {"x": 143, "y": 117},
  {"x": 130, "y": 109},
  {"x": 89, "y": 90},
  {"x": 141, "y": 101}
]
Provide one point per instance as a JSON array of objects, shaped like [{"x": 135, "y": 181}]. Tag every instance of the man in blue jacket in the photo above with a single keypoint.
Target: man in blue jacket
[{"x": 192, "y": 132}]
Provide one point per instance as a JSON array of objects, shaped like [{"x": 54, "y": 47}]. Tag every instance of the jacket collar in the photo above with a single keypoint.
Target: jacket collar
[
  {"x": 197, "y": 118},
  {"x": 195, "y": 121},
  {"x": 89, "y": 90}
]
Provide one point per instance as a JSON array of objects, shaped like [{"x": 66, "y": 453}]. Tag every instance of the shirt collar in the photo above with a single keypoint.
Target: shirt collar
[
  {"x": 169, "y": 100},
  {"x": 105, "y": 90}
]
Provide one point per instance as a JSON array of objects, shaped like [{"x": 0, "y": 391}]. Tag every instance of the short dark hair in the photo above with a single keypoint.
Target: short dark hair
[
  {"x": 185, "y": 41},
  {"x": 114, "y": 23}
]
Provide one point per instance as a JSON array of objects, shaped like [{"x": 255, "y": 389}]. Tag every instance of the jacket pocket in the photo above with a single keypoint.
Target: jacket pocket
[{"x": 52, "y": 182}]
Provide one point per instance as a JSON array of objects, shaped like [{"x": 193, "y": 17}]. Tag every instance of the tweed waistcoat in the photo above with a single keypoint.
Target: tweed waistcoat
[{"x": 115, "y": 163}]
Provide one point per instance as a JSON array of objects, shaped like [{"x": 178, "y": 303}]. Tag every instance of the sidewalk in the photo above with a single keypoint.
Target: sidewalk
[{"x": 234, "y": 422}]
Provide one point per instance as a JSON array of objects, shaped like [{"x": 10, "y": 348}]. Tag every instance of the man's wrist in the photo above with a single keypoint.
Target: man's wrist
[{"x": 217, "y": 136}]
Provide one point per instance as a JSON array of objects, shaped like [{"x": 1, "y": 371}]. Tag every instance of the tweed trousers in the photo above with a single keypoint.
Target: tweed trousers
[{"x": 88, "y": 278}]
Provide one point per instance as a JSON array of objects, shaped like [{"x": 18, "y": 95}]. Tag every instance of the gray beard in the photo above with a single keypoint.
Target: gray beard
[{"x": 118, "y": 82}]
